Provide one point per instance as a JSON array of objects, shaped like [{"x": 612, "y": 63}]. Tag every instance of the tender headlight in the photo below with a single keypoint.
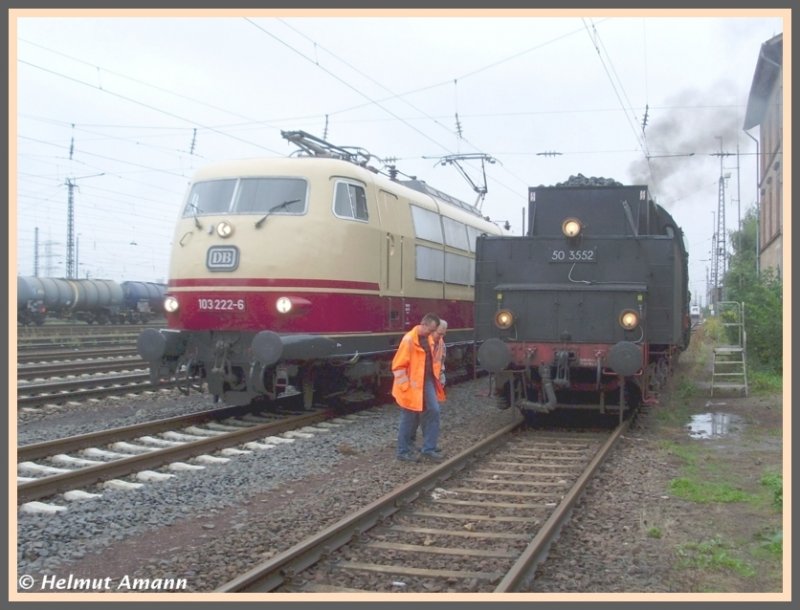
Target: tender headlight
[
  {"x": 571, "y": 227},
  {"x": 504, "y": 319},
  {"x": 629, "y": 319},
  {"x": 170, "y": 304},
  {"x": 224, "y": 229},
  {"x": 283, "y": 305}
]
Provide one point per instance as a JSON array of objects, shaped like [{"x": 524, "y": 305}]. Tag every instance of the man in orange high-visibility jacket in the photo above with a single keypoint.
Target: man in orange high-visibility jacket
[
  {"x": 418, "y": 391},
  {"x": 440, "y": 349}
]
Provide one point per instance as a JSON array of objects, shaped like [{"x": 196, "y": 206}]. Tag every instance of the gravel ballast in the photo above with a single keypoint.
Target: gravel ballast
[
  {"x": 219, "y": 521},
  {"x": 209, "y": 526}
]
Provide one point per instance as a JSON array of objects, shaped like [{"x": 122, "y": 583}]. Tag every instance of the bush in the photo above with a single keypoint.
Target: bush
[{"x": 762, "y": 295}]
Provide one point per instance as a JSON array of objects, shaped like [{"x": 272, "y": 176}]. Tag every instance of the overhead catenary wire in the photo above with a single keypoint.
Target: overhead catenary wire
[
  {"x": 342, "y": 80},
  {"x": 132, "y": 100},
  {"x": 467, "y": 119}
]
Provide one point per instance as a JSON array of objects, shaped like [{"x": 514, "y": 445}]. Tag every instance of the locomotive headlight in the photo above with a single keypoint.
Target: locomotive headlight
[
  {"x": 629, "y": 319},
  {"x": 504, "y": 319},
  {"x": 170, "y": 304},
  {"x": 224, "y": 229},
  {"x": 283, "y": 305},
  {"x": 571, "y": 227}
]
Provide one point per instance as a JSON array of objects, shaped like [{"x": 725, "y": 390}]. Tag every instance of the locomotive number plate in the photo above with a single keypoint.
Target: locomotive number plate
[
  {"x": 220, "y": 304},
  {"x": 573, "y": 256}
]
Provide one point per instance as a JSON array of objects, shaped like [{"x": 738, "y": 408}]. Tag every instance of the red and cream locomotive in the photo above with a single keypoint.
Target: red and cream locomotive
[{"x": 300, "y": 275}]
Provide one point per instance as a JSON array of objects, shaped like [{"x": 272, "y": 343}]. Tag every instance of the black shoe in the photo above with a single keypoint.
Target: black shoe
[
  {"x": 433, "y": 456},
  {"x": 408, "y": 457}
]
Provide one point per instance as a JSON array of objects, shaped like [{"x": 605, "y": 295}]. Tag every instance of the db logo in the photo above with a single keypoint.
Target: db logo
[{"x": 222, "y": 258}]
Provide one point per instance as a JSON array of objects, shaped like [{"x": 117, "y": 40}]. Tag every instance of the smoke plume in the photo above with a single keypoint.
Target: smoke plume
[{"x": 683, "y": 142}]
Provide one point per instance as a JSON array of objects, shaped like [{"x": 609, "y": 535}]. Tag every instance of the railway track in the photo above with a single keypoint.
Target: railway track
[
  {"x": 72, "y": 330},
  {"x": 66, "y": 336},
  {"x": 481, "y": 521},
  {"x": 36, "y": 394},
  {"x": 78, "y": 462},
  {"x": 79, "y": 367},
  {"x": 59, "y": 376},
  {"x": 60, "y": 355},
  {"x": 78, "y": 341}
]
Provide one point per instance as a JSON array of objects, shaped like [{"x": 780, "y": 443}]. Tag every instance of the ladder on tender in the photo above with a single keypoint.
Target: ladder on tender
[{"x": 730, "y": 368}]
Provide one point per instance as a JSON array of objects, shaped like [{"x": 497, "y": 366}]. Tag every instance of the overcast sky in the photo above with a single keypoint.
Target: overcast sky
[{"x": 127, "y": 108}]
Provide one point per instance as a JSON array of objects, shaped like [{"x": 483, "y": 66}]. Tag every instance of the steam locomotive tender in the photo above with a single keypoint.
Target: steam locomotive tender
[{"x": 590, "y": 308}]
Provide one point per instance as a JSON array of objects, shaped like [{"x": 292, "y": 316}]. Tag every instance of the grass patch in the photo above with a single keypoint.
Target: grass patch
[
  {"x": 674, "y": 412},
  {"x": 685, "y": 452},
  {"x": 773, "y": 481},
  {"x": 672, "y": 415},
  {"x": 654, "y": 532},
  {"x": 685, "y": 390},
  {"x": 712, "y": 555},
  {"x": 771, "y": 543},
  {"x": 765, "y": 382},
  {"x": 706, "y": 492}
]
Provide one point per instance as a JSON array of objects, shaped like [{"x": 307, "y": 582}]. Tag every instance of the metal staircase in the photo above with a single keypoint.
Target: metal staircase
[{"x": 730, "y": 368}]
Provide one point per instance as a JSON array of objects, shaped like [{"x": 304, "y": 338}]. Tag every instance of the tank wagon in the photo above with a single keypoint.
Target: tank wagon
[
  {"x": 142, "y": 301},
  {"x": 300, "y": 275},
  {"x": 30, "y": 302},
  {"x": 590, "y": 308},
  {"x": 94, "y": 301}
]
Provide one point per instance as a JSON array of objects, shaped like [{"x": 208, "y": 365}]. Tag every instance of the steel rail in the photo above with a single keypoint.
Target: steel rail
[
  {"x": 272, "y": 573},
  {"x": 48, "y": 486},
  {"x": 131, "y": 387},
  {"x": 45, "y": 371},
  {"x": 72, "y": 354},
  {"x": 536, "y": 552},
  {"x": 276, "y": 572},
  {"x": 36, "y": 451}
]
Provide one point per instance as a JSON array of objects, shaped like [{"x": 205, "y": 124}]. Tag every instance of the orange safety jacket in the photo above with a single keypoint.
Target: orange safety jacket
[{"x": 408, "y": 367}]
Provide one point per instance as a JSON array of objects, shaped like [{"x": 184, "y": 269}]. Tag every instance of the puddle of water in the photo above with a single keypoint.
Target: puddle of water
[{"x": 713, "y": 425}]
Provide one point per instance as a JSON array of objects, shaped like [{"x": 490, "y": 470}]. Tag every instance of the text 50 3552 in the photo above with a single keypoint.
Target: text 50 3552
[{"x": 573, "y": 256}]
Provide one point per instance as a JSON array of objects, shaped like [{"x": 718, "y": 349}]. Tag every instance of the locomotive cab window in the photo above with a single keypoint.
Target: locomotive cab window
[
  {"x": 350, "y": 201},
  {"x": 213, "y": 197},
  {"x": 247, "y": 196},
  {"x": 274, "y": 195}
]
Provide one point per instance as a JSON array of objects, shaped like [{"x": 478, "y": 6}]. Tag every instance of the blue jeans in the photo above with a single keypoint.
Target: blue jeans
[
  {"x": 428, "y": 418},
  {"x": 409, "y": 420}
]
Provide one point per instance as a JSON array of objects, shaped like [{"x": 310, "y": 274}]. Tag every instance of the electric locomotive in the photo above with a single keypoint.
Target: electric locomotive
[
  {"x": 590, "y": 308},
  {"x": 298, "y": 276}
]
